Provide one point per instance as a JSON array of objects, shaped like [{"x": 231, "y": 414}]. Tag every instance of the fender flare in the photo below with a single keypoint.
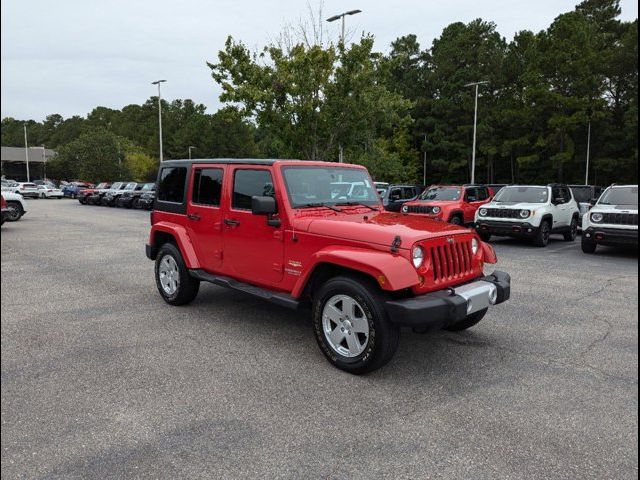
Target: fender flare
[
  {"x": 547, "y": 216},
  {"x": 179, "y": 233},
  {"x": 391, "y": 272},
  {"x": 453, "y": 213}
]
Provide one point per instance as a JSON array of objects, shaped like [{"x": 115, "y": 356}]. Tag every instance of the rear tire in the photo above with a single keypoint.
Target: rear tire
[
  {"x": 484, "y": 236},
  {"x": 542, "y": 237},
  {"x": 588, "y": 246},
  {"x": 467, "y": 322},
  {"x": 174, "y": 283},
  {"x": 365, "y": 324},
  {"x": 571, "y": 235}
]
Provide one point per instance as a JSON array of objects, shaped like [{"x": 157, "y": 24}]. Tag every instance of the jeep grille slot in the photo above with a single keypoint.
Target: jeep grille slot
[
  {"x": 503, "y": 213},
  {"x": 451, "y": 260},
  {"x": 419, "y": 209},
  {"x": 620, "y": 218}
]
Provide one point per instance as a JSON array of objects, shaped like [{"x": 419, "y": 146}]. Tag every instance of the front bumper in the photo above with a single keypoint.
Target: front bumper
[
  {"x": 446, "y": 307},
  {"x": 611, "y": 236},
  {"x": 507, "y": 229},
  {"x": 124, "y": 201}
]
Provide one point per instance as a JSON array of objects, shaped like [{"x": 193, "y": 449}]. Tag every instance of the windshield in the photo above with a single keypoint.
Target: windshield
[
  {"x": 148, "y": 186},
  {"x": 324, "y": 185},
  {"x": 103, "y": 185},
  {"x": 523, "y": 195},
  {"x": 442, "y": 193},
  {"x": 130, "y": 186},
  {"x": 620, "y": 196}
]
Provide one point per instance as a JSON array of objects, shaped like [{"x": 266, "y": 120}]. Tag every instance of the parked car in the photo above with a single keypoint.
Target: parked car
[
  {"x": 72, "y": 189},
  {"x": 613, "y": 220},
  {"x": 95, "y": 198},
  {"x": 146, "y": 199},
  {"x": 394, "y": 196},
  {"x": 3, "y": 209},
  {"x": 586, "y": 196},
  {"x": 16, "y": 206},
  {"x": 381, "y": 187},
  {"x": 110, "y": 198},
  {"x": 26, "y": 189},
  {"x": 455, "y": 204},
  {"x": 45, "y": 181},
  {"x": 84, "y": 194},
  {"x": 48, "y": 191},
  {"x": 131, "y": 198},
  {"x": 530, "y": 211},
  {"x": 285, "y": 238}
]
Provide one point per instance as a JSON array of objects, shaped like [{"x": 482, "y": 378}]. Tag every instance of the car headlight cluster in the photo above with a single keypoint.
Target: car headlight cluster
[
  {"x": 474, "y": 245},
  {"x": 417, "y": 256},
  {"x": 483, "y": 212},
  {"x": 597, "y": 217},
  {"x": 436, "y": 210},
  {"x": 525, "y": 213}
]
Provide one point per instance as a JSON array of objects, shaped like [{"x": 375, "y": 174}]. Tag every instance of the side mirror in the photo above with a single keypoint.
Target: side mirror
[
  {"x": 263, "y": 205},
  {"x": 558, "y": 200}
]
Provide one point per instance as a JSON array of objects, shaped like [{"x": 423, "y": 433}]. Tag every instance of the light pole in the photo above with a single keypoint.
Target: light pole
[
  {"x": 44, "y": 162},
  {"x": 26, "y": 151},
  {"x": 158, "y": 82},
  {"x": 586, "y": 177},
  {"x": 475, "y": 126},
  {"x": 341, "y": 17},
  {"x": 190, "y": 147}
]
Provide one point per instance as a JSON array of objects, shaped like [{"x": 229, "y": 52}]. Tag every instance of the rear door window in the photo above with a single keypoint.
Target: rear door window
[
  {"x": 207, "y": 186},
  {"x": 250, "y": 183}
]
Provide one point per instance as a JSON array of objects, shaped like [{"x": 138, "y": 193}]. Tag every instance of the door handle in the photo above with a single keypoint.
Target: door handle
[
  {"x": 193, "y": 216},
  {"x": 231, "y": 223}
]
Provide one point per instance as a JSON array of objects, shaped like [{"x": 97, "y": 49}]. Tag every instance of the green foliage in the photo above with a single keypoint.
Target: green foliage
[{"x": 140, "y": 166}]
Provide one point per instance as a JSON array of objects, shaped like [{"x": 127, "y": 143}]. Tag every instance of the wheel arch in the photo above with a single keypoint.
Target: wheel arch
[
  {"x": 388, "y": 271},
  {"x": 163, "y": 232}
]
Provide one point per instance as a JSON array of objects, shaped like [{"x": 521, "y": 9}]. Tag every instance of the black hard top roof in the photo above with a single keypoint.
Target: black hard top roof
[{"x": 244, "y": 161}]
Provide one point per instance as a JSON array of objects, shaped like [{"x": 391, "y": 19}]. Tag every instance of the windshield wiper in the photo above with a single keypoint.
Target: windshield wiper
[
  {"x": 319, "y": 204},
  {"x": 357, "y": 204}
]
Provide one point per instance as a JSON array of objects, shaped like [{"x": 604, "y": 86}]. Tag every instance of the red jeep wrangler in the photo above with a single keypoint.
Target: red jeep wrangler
[
  {"x": 279, "y": 230},
  {"x": 455, "y": 204}
]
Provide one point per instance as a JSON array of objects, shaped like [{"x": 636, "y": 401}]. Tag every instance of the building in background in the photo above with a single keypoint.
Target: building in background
[{"x": 14, "y": 163}]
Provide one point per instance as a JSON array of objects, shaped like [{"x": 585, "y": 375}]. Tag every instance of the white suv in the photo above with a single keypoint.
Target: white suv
[
  {"x": 530, "y": 211},
  {"x": 613, "y": 220}
]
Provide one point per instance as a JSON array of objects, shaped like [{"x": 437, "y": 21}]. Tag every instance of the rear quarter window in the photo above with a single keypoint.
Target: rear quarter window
[{"x": 171, "y": 184}]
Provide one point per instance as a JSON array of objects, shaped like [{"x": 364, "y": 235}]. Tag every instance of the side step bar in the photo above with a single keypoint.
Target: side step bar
[{"x": 279, "y": 298}]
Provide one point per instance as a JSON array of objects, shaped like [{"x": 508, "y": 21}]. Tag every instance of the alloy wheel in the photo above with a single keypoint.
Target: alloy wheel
[
  {"x": 169, "y": 275},
  {"x": 345, "y": 326}
]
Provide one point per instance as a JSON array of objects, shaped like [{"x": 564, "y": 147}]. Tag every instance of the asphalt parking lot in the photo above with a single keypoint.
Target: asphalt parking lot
[{"x": 100, "y": 378}]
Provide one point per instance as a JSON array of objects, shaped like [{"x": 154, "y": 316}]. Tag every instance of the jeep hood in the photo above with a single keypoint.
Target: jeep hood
[{"x": 379, "y": 228}]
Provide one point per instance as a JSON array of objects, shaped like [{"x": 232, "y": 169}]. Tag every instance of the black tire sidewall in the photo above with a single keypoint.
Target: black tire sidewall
[
  {"x": 588, "y": 246},
  {"x": 17, "y": 208},
  {"x": 185, "y": 292},
  {"x": 382, "y": 335},
  {"x": 540, "y": 240}
]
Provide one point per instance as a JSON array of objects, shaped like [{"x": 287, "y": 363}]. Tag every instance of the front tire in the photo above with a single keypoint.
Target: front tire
[
  {"x": 456, "y": 220},
  {"x": 571, "y": 235},
  {"x": 467, "y": 322},
  {"x": 484, "y": 236},
  {"x": 15, "y": 211},
  {"x": 174, "y": 283},
  {"x": 351, "y": 325},
  {"x": 588, "y": 246},
  {"x": 542, "y": 237}
]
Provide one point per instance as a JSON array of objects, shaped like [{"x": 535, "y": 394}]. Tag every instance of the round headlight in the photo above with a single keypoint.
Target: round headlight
[
  {"x": 436, "y": 209},
  {"x": 474, "y": 245},
  {"x": 597, "y": 217},
  {"x": 525, "y": 213},
  {"x": 483, "y": 212},
  {"x": 405, "y": 209},
  {"x": 417, "y": 256}
]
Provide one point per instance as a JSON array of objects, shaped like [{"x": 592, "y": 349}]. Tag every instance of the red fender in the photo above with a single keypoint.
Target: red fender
[
  {"x": 392, "y": 272},
  {"x": 488, "y": 253},
  {"x": 182, "y": 239}
]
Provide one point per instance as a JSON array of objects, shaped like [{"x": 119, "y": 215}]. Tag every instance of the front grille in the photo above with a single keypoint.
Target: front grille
[
  {"x": 420, "y": 209},
  {"x": 451, "y": 260},
  {"x": 502, "y": 213},
  {"x": 620, "y": 218}
]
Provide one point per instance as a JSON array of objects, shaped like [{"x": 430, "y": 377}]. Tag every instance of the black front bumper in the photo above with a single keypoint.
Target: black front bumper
[
  {"x": 443, "y": 308},
  {"x": 611, "y": 236},
  {"x": 507, "y": 229}
]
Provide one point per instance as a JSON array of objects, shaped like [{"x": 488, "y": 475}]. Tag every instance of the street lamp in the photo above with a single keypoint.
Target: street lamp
[
  {"x": 26, "y": 151},
  {"x": 586, "y": 177},
  {"x": 475, "y": 124},
  {"x": 341, "y": 16},
  {"x": 158, "y": 82},
  {"x": 190, "y": 147}
]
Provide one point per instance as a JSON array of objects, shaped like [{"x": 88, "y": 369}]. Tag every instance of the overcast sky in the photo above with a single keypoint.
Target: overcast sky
[{"x": 68, "y": 56}]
